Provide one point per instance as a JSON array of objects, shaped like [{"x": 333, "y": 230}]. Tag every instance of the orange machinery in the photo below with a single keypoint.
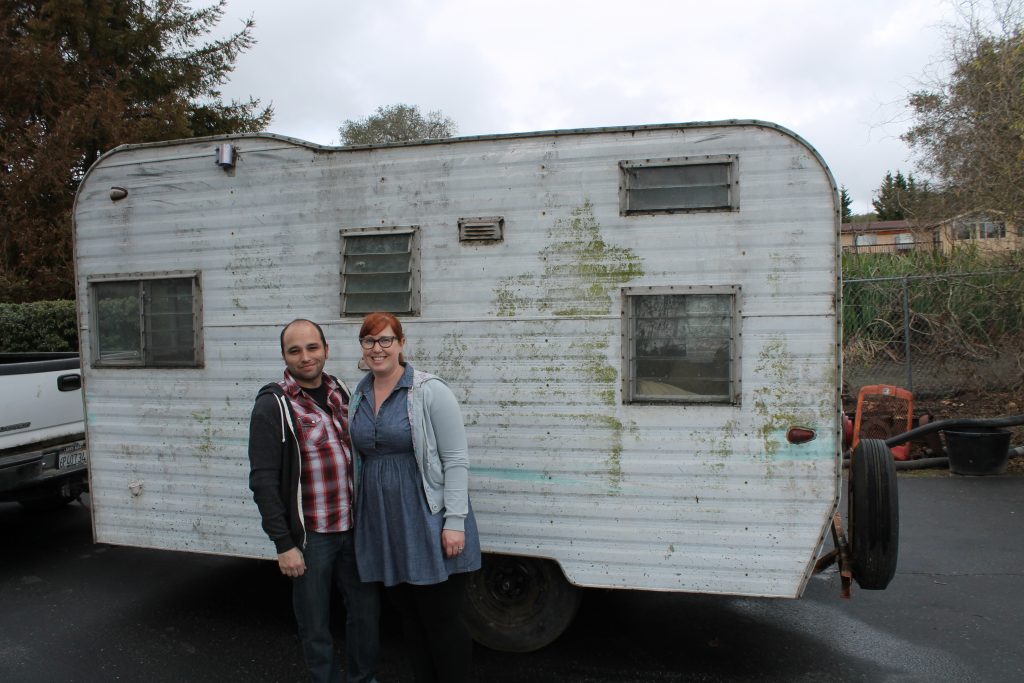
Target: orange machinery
[{"x": 884, "y": 411}]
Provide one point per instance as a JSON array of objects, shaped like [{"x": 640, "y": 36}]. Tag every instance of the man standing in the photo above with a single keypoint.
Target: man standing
[{"x": 301, "y": 479}]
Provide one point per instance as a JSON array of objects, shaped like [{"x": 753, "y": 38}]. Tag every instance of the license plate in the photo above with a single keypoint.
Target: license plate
[{"x": 71, "y": 459}]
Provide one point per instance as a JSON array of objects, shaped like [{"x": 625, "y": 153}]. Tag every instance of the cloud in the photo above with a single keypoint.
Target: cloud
[{"x": 835, "y": 73}]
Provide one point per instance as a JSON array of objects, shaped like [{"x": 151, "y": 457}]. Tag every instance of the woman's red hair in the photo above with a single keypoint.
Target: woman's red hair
[{"x": 373, "y": 323}]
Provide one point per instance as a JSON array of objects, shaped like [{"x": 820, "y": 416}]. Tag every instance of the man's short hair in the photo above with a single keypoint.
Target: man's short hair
[{"x": 323, "y": 339}]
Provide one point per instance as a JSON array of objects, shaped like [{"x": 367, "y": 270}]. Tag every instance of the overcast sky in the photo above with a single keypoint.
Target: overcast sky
[{"x": 835, "y": 72}]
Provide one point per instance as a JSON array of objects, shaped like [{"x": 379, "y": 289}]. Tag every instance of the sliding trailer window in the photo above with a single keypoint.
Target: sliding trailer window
[
  {"x": 146, "y": 321},
  {"x": 681, "y": 345}
]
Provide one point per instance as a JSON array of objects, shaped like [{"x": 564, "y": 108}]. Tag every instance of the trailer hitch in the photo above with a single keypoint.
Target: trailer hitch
[{"x": 841, "y": 554}]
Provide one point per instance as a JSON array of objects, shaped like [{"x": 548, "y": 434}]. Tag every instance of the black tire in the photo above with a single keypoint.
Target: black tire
[
  {"x": 518, "y": 604},
  {"x": 874, "y": 514},
  {"x": 47, "y": 503}
]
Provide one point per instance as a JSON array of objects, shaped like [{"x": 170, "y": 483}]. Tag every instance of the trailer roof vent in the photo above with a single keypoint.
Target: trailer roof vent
[{"x": 490, "y": 229}]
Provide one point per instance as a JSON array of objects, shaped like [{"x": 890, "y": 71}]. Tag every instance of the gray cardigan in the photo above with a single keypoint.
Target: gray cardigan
[{"x": 439, "y": 444}]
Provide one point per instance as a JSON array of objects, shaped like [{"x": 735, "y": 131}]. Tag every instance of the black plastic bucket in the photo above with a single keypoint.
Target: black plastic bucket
[{"x": 978, "y": 450}]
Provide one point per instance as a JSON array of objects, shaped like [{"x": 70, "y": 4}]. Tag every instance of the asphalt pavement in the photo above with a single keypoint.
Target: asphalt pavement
[{"x": 71, "y": 610}]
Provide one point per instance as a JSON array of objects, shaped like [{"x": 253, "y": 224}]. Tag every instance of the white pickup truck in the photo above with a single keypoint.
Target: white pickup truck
[{"x": 43, "y": 460}]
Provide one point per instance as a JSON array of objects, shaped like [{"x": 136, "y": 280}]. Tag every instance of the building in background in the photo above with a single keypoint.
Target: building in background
[{"x": 988, "y": 230}]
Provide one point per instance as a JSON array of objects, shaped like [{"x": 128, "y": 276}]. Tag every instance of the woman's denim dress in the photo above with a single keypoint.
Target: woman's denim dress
[{"x": 398, "y": 540}]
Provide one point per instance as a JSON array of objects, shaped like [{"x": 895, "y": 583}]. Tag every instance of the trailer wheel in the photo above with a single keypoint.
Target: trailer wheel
[
  {"x": 874, "y": 514},
  {"x": 518, "y": 604},
  {"x": 46, "y": 503}
]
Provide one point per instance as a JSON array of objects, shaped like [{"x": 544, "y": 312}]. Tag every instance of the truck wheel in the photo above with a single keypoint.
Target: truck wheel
[
  {"x": 874, "y": 514},
  {"x": 46, "y": 503},
  {"x": 518, "y": 604}
]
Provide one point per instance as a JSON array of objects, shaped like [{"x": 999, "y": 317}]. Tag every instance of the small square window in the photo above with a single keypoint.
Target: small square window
[
  {"x": 146, "y": 322},
  {"x": 679, "y": 185},
  {"x": 380, "y": 271},
  {"x": 680, "y": 345}
]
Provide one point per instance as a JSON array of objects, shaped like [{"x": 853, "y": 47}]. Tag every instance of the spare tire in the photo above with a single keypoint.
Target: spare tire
[{"x": 874, "y": 514}]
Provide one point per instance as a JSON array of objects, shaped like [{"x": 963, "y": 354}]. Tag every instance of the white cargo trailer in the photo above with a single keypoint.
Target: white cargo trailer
[{"x": 640, "y": 323}]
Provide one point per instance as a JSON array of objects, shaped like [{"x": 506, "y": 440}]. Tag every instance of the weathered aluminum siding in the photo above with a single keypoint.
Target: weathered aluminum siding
[{"x": 527, "y": 331}]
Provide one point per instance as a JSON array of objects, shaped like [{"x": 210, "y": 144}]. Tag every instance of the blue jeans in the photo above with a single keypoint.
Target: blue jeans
[{"x": 331, "y": 560}]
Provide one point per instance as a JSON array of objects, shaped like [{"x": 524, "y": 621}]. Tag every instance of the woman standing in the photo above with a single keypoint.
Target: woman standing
[{"x": 415, "y": 529}]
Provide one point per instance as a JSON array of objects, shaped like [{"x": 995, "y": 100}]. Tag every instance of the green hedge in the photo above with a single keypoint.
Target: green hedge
[
  {"x": 978, "y": 296},
  {"x": 966, "y": 259},
  {"x": 38, "y": 326}
]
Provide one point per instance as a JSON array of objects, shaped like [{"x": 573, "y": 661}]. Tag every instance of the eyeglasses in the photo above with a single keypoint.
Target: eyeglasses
[{"x": 385, "y": 342}]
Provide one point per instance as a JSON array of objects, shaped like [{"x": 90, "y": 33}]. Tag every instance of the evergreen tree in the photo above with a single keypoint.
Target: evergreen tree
[
  {"x": 78, "y": 77},
  {"x": 845, "y": 203},
  {"x": 896, "y": 197},
  {"x": 396, "y": 123}
]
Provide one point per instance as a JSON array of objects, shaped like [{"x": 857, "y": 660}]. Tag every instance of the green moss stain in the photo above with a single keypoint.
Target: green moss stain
[
  {"x": 614, "y": 459},
  {"x": 453, "y": 363},
  {"x": 450, "y": 362},
  {"x": 506, "y": 302},
  {"x": 773, "y": 364},
  {"x": 580, "y": 272},
  {"x": 777, "y": 403},
  {"x": 580, "y": 275},
  {"x": 722, "y": 442},
  {"x": 509, "y": 297},
  {"x": 204, "y": 419},
  {"x": 598, "y": 370},
  {"x": 581, "y": 269}
]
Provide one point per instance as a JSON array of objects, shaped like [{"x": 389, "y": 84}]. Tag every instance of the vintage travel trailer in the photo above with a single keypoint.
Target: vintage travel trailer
[{"x": 640, "y": 323}]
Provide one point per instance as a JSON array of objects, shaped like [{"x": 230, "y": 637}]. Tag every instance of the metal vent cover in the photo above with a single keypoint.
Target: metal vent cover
[{"x": 487, "y": 229}]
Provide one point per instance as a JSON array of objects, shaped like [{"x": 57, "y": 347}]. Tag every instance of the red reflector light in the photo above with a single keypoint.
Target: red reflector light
[{"x": 800, "y": 435}]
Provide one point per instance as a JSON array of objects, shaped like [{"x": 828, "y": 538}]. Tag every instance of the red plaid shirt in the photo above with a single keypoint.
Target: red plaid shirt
[{"x": 326, "y": 458}]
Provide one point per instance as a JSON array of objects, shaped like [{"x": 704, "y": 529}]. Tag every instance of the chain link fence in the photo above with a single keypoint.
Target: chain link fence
[{"x": 957, "y": 337}]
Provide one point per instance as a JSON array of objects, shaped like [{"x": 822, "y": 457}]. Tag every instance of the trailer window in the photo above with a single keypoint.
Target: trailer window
[
  {"x": 146, "y": 322},
  {"x": 680, "y": 345},
  {"x": 380, "y": 271},
  {"x": 681, "y": 184}
]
